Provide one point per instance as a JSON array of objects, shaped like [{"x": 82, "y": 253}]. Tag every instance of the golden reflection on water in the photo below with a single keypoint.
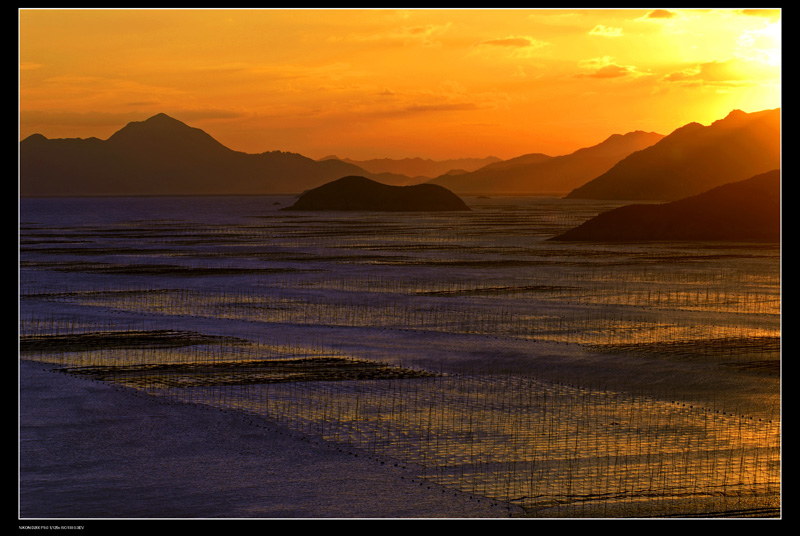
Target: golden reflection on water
[
  {"x": 553, "y": 448},
  {"x": 536, "y": 444}
]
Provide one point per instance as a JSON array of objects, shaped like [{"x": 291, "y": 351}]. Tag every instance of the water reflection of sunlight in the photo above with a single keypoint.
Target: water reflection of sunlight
[{"x": 541, "y": 444}]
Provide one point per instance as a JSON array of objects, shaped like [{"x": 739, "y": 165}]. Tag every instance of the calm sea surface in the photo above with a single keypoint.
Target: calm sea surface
[{"x": 609, "y": 334}]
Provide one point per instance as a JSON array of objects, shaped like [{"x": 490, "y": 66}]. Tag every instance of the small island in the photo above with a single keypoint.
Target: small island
[{"x": 355, "y": 193}]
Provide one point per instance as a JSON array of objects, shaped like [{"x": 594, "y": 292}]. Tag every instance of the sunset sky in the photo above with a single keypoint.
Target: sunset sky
[{"x": 377, "y": 83}]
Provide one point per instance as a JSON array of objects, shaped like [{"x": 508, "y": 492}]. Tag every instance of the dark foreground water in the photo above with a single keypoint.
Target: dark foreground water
[{"x": 557, "y": 379}]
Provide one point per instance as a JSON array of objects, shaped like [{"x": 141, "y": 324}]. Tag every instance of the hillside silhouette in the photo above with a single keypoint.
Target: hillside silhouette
[
  {"x": 692, "y": 159},
  {"x": 163, "y": 156},
  {"x": 361, "y": 193},
  {"x": 746, "y": 211},
  {"x": 419, "y": 169},
  {"x": 538, "y": 173}
]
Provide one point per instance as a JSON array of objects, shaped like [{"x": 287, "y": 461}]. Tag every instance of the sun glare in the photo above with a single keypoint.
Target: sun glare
[
  {"x": 304, "y": 80},
  {"x": 762, "y": 45}
]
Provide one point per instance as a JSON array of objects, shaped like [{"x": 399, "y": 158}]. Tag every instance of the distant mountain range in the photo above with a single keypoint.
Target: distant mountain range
[
  {"x": 692, "y": 159},
  {"x": 419, "y": 169},
  {"x": 360, "y": 193},
  {"x": 538, "y": 173},
  {"x": 163, "y": 156},
  {"x": 745, "y": 211}
]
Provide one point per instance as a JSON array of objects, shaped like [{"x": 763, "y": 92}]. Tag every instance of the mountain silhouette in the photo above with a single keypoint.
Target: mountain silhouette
[
  {"x": 420, "y": 169},
  {"x": 538, "y": 173},
  {"x": 164, "y": 156},
  {"x": 692, "y": 159},
  {"x": 361, "y": 193},
  {"x": 745, "y": 211},
  {"x": 162, "y": 134}
]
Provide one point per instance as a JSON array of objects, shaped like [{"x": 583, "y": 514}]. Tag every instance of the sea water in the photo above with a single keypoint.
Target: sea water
[{"x": 584, "y": 379}]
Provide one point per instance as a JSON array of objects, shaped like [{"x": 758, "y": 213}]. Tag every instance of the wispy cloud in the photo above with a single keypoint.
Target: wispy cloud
[
  {"x": 734, "y": 72},
  {"x": 282, "y": 71},
  {"x": 117, "y": 119},
  {"x": 605, "y": 31},
  {"x": 448, "y": 96},
  {"x": 606, "y": 67},
  {"x": 101, "y": 85},
  {"x": 772, "y": 14},
  {"x": 441, "y": 107},
  {"x": 516, "y": 42},
  {"x": 421, "y": 35},
  {"x": 660, "y": 14},
  {"x": 513, "y": 46}
]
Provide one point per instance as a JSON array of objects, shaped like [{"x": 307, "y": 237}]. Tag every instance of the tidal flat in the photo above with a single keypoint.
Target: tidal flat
[{"x": 521, "y": 377}]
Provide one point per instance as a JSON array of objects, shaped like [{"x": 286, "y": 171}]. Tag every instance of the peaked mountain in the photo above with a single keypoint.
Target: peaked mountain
[
  {"x": 538, "y": 173},
  {"x": 360, "y": 193},
  {"x": 420, "y": 168},
  {"x": 163, "y": 156},
  {"x": 692, "y": 159},
  {"x": 744, "y": 211}
]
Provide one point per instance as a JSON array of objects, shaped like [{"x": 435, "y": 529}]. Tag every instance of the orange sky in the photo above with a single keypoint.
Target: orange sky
[{"x": 396, "y": 83}]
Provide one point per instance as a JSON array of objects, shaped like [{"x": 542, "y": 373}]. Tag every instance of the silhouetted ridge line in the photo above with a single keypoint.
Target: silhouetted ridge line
[
  {"x": 692, "y": 159},
  {"x": 356, "y": 193},
  {"x": 418, "y": 168},
  {"x": 538, "y": 173},
  {"x": 164, "y": 156},
  {"x": 745, "y": 211}
]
